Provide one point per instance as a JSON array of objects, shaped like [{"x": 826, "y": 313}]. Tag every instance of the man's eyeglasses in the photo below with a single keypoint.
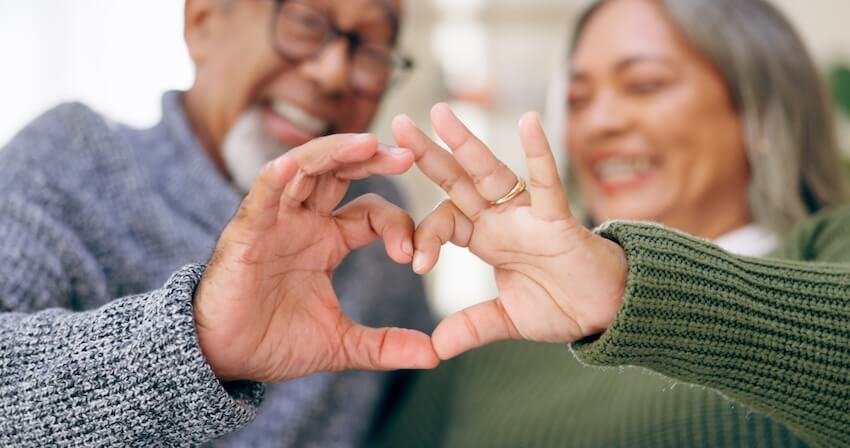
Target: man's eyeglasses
[{"x": 300, "y": 32}]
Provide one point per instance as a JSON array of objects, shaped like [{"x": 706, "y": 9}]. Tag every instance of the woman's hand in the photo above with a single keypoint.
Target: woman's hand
[
  {"x": 557, "y": 281},
  {"x": 266, "y": 309}
]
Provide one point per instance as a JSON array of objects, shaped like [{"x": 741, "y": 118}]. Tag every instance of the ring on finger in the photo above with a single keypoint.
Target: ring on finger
[{"x": 517, "y": 190}]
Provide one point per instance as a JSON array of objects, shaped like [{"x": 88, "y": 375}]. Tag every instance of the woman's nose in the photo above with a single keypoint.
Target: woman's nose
[{"x": 606, "y": 115}]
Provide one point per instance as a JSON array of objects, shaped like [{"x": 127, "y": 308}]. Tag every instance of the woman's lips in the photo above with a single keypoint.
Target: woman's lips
[{"x": 617, "y": 174}]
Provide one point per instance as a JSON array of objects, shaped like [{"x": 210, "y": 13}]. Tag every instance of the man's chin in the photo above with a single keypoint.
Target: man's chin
[{"x": 248, "y": 147}]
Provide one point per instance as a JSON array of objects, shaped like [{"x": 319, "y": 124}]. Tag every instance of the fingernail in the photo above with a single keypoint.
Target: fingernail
[
  {"x": 273, "y": 166},
  {"x": 407, "y": 247},
  {"x": 418, "y": 261},
  {"x": 530, "y": 115},
  {"x": 356, "y": 138},
  {"x": 404, "y": 117},
  {"x": 277, "y": 164},
  {"x": 397, "y": 151}
]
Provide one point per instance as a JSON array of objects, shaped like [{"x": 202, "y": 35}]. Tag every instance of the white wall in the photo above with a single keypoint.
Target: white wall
[
  {"x": 117, "y": 56},
  {"x": 823, "y": 24}
]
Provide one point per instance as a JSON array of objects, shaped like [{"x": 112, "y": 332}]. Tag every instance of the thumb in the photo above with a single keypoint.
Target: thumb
[
  {"x": 259, "y": 208},
  {"x": 386, "y": 349},
  {"x": 473, "y": 327}
]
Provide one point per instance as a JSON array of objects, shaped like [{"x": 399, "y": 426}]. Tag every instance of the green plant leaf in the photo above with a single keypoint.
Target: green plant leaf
[{"x": 839, "y": 80}]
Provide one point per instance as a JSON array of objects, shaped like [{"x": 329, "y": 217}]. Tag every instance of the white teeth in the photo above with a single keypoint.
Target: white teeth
[
  {"x": 621, "y": 169},
  {"x": 300, "y": 118}
]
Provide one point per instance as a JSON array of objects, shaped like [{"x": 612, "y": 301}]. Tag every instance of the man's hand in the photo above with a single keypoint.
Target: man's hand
[
  {"x": 265, "y": 308},
  {"x": 557, "y": 281}
]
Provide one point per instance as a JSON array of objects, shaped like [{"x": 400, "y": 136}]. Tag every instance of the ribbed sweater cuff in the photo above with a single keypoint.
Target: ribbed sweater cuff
[
  {"x": 130, "y": 373},
  {"x": 769, "y": 333},
  {"x": 210, "y": 406}
]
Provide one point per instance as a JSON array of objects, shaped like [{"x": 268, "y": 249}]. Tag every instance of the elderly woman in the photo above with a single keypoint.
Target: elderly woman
[{"x": 703, "y": 115}]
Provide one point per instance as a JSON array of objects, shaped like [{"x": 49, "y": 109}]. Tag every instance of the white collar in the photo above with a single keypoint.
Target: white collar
[{"x": 750, "y": 241}]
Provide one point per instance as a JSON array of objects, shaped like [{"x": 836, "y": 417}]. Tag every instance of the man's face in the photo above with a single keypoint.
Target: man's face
[{"x": 240, "y": 71}]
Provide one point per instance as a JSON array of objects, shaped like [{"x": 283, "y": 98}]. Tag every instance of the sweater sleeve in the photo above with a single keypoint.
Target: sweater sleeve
[
  {"x": 130, "y": 373},
  {"x": 773, "y": 335}
]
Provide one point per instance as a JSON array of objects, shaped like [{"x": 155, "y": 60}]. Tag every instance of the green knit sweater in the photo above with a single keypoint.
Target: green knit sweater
[{"x": 726, "y": 351}]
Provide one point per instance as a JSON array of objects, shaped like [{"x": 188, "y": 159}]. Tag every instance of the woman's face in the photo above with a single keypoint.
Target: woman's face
[{"x": 652, "y": 131}]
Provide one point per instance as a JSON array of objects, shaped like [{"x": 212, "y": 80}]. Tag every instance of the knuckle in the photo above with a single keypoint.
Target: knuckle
[
  {"x": 445, "y": 207},
  {"x": 372, "y": 200},
  {"x": 266, "y": 171},
  {"x": 424, "y": 236},
  {"x": 243, "y": 213},
  {"x": 400, "y": 221},
  {"x": 449, "y": 183},
  {"x": 543, "y": 156},
  {"x": 372, "y": 197},
  {"x": 482, "y": 177},
  {"x": 401, "y": 216},
  {"x": 466, "y": 141},
  {"x": 446, "y": 210},
  {"x": 535, "y": 183},
  {"x": 312, "y": 167},
  {"x": 469, "y": 323}
]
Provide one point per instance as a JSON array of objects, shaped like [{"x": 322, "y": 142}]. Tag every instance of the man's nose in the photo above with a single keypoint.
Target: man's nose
[{"x": 330, "y": 68}]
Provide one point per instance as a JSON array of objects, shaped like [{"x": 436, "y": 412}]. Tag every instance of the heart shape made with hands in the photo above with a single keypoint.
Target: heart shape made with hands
[
  {"x": 266, "y": 309},
  {"x": 557, "y": 281}
]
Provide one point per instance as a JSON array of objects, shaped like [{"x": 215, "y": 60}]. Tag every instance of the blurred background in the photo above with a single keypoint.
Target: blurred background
[{"x": 492, "y": 59}]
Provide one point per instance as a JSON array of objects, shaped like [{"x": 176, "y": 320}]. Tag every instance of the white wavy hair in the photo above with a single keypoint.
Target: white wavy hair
[{"x": 787, "y": 115}]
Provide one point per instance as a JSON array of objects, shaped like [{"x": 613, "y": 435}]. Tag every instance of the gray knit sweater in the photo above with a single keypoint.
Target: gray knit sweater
[{"x": 95, "y": 217}]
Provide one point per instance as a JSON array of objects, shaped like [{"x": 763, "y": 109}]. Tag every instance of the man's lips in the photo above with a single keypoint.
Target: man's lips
[
  {"x": 291, "y": 124},
  {"x": 281, "y": 129}
]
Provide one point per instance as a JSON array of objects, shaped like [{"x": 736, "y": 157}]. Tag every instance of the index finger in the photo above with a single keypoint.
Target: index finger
[
  {"x": 491, "y": 177},
  {"x": 440, "y": 166},
  {"x": 351, "y": 155}
]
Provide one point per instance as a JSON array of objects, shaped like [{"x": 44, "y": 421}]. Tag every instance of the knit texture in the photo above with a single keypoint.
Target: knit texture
[
  {"x": 771, "y": 336},
  {"x": 94, "y": 218},
  {"x": 128, "y": 374}
]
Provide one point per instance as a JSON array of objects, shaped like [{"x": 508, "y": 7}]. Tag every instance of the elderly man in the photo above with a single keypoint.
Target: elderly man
[{"x": 95, "y": 217}]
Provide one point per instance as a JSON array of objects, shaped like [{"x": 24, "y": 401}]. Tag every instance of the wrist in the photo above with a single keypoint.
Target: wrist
[
  {"x": 208, "y": 341},
  {"x": 614, "y": 268}
]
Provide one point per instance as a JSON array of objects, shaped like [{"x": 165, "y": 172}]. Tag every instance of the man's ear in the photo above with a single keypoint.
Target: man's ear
[{"x": 199, "y": 22}]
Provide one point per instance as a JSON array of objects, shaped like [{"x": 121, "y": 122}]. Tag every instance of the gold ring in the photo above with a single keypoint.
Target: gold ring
[{"x": 516, "y": 191}]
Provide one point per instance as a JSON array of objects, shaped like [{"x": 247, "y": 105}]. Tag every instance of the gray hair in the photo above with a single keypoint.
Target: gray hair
[{"x": 786, "y": 113}]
